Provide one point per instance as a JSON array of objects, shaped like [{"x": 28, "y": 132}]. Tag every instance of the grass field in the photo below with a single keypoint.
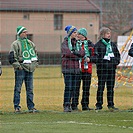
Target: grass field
[{"x": 48, "y": 90}]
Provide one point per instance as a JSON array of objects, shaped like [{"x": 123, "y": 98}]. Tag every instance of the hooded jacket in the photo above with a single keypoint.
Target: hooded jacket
[{"x": 16, "y": 60}]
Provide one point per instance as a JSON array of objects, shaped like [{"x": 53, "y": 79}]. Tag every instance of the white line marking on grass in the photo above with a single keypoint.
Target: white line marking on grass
[
  {"x": 125, "y": 120},
  {"x": 84, "y": 123},
  {"x": 66, "y": 122}
]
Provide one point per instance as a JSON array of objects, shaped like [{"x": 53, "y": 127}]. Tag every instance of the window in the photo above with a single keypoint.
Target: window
[
  {"x": 58, "y": 21},
  {"x": 30, "y": 37}
]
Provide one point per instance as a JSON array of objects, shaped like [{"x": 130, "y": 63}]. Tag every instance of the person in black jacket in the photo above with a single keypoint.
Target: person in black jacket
[{"x": 107, "y": 58}]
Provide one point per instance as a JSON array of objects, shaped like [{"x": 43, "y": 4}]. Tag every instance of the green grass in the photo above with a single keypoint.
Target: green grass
[
  {"x": 77, "y": 122},
  {"x": 48, "y": 90}
]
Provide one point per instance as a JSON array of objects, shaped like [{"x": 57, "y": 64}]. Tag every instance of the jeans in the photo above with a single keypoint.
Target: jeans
[
  {"x": 72, "y": 87},
  {"x": 27, "y": 77}
]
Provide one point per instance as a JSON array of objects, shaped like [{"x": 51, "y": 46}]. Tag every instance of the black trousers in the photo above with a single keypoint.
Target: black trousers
[
  {"x": 105, "y": 76},
  {"x": 86, "y": 82}
]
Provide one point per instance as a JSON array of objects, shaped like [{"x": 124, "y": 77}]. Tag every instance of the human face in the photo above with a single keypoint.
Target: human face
[
  {"x": 23, "y": 34},
  {"x": 74, "y": 34},
  {"x": 107, "y": 35},
  {"x": 80, "y": 37}
]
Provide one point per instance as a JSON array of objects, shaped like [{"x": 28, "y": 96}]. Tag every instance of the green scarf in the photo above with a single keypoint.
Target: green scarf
[
  {"x": 69, "y": 43},
  {"x": 79, "y": 45},
  {"x": 28, "y": 51},
  {"x": 109, "y": 52}
]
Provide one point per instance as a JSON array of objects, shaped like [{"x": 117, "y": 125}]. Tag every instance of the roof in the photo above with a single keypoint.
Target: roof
[{"x": 49, "y": 5}]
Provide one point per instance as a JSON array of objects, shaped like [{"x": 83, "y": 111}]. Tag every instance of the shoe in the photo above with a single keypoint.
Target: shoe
[
  {"x": 86, "y": 108},
  {"x": 98, "y": 108},
  {"x": 67, "y": 109},
  {"x": 113, "y": 108},
  {"x": 33, "y": 110},
  {"x": 17, "y": 110},
  {"x": 75, "y": 109}
]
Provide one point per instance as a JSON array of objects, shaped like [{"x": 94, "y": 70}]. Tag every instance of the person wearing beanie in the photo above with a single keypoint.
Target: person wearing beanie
[
  {"x": 83, "y": 32},
  {"x": 107, "y": 58},
  {"x": 21, "y": 29},
  {"x": 23, "y": 57},
  {"x": 86, "y": 66},
  {"x": 71, "y": 69},
  {"x": 70, "y": 29}
]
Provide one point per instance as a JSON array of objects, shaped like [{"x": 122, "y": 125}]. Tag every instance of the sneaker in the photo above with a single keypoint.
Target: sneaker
[
  {"x": 33, "y": 110},
  {"x": 113, "y": 108},
  {"x": 67, "y": 109},
  {"x": 86, "y": 109},
  {"x": 98, "y": 108},
  {"x": 17, "y": 110}
]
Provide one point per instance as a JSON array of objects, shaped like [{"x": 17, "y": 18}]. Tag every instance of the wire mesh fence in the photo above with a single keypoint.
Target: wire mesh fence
[{"x": 45, "y": 26}]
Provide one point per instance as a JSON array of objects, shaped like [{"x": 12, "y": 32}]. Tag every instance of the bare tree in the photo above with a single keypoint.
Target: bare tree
[{"x": 117, "y": 15}]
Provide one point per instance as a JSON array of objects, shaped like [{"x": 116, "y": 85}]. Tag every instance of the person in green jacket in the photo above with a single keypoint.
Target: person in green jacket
[{"x": 23, "y": 57}]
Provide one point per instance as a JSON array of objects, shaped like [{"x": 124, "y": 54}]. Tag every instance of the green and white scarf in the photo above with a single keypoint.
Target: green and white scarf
[
  {"x": 87, "y": 52},
  {"x": 79, "y": 46},
  {"x": 109, "y": 52},
  {"x": 69, "y": 43},
  {"x": 28, "y": 52}
]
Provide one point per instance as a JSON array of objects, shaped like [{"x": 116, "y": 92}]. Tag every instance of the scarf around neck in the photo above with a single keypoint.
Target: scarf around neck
[
  {"x": 28, "y": 52},
  {"x": 79, "y": 45},
  {"x": 109, "y": 52}
]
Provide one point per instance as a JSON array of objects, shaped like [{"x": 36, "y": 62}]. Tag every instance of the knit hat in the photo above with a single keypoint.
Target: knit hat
[
  {"x": 20, "y": 29},
  {"x": 70, "y": 29},
  {"x": 83, "y": 32}
]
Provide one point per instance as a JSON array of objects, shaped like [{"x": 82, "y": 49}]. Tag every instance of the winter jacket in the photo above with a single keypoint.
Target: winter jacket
[
  {"x": 99, "y": 52},
  {"x": 70, "y": 59},
  {"x": 91, "y": 50},
  {"x": 15, "y": 57}
]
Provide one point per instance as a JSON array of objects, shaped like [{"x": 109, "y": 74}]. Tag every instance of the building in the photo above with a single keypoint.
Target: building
[{"x": 46, "y": 20}]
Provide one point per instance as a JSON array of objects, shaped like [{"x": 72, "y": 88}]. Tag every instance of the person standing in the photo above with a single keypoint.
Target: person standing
[
  {"x": 70, "y": 68},
  {"x": 86, "y": 66},
  {"x": 107, "y": 58},
  {"x": 23, "y": 57}
]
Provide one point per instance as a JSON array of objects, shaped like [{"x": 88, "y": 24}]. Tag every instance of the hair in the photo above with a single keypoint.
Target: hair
[{"x": 103, "y": 31}]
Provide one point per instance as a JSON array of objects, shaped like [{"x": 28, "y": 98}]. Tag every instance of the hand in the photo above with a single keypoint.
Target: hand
[
  {"x": 20, "y": 68},
  {"x": 87, "y": 59}
]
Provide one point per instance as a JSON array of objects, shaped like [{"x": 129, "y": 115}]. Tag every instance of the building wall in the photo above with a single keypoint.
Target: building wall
[{"x": 41, "y": 25}]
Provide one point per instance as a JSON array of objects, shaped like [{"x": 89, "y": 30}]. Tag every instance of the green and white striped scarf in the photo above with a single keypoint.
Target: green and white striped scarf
[
  {"x": 79, "y": 45},
  {"x": 109, "y": 52},
  {"x": 28, "y": 52}
]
